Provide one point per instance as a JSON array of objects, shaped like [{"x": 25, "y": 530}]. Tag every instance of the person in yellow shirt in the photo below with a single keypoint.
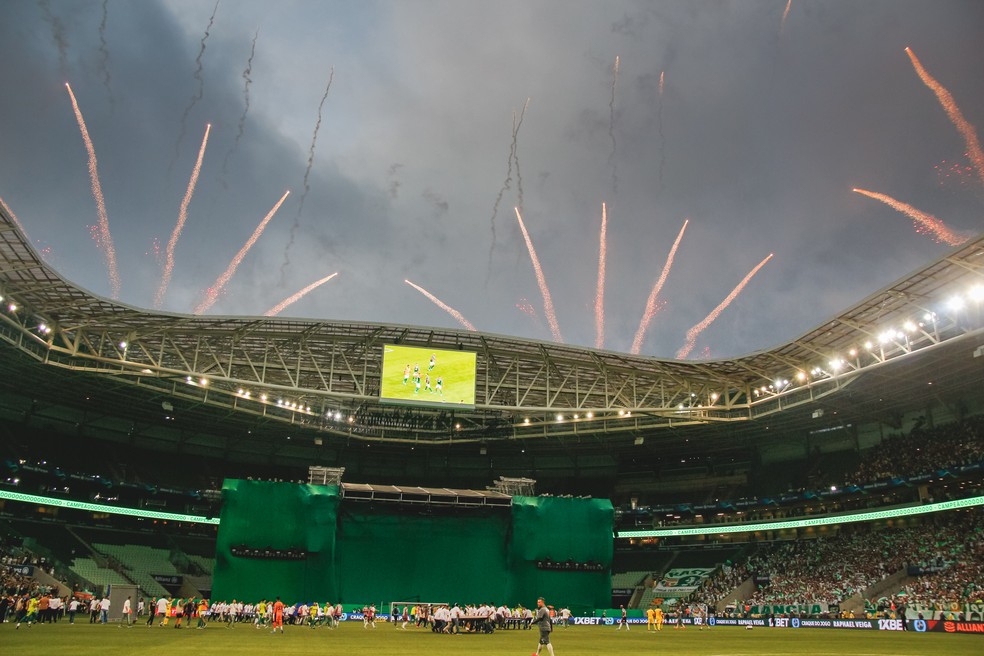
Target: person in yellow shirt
[
  {"x": 651, "y": 619},
  {"x": 32, "y": 612},
  {"x": 659, "y": 618}
]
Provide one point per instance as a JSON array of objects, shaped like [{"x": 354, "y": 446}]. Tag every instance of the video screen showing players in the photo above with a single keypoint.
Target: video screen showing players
[{"x": 424, "y": 376}]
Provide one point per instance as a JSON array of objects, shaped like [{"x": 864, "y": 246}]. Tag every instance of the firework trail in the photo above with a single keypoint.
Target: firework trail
[
  {"x": 307, "y": 174},
  {"x": 652, "y": 307},
  {"x": 13, "y": 217},
  {"x": 58, "y": 34},
  {"x": 104, "y": 54},
  {"x": 279, "y": 307},
  {"x": 965, "y": 129},
  {"x": 600, "y": 293},
  {"x": 212, "y": 294},
  {"x": 444, "y": 306},
  {"x": 182, "y": 217},
  {"x": 785, "y": 14},
  {"x": 709, "y": 319},
  {"x": 548, "y": 308},
  {"x": 505, "y": 185},
  {"x": 247, "y": 80},
  {"x": 198, "y": 95},
  {"x": 923, "y": 222},
  {"x": 659, "y": 129},
  {"x": 611, "y": 128},
  {"x": 109, "y": 252},
  {"x": 515, "y": 151}
]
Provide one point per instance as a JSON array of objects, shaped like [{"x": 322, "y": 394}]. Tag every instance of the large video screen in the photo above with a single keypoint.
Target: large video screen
[{"x": 423, "y": 376}]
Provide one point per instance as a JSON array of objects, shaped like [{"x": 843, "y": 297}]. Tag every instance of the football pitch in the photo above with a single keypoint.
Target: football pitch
[{"x": 387, "y": 640}]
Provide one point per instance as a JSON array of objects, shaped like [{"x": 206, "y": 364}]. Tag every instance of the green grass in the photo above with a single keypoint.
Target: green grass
[{"x": 351, "y": 638}]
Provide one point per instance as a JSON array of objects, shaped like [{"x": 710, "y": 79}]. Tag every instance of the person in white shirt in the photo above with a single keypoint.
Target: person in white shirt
[
  {"x": 104, "y": 610},
  {"x": 94, "y": 610},
  {"x": 54, "y": 608},
  {"x": 73, "y": 607},
  {"x": 127, "y": 614},
  {"x": 162, "y": 609}
]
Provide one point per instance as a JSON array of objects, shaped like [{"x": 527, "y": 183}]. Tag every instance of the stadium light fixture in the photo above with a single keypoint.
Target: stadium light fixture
[
  {"x": 976, "y": 293},
  {"x": 955, "y": 303}
]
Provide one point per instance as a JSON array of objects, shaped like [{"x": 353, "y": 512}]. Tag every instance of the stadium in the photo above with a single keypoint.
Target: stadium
[
  {"x": 836, "y": 476},
  {"x": 368, "y": 471}
]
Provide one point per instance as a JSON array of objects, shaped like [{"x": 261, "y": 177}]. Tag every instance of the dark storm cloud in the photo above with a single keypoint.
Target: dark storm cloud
[{"x": 762, "y": 140}]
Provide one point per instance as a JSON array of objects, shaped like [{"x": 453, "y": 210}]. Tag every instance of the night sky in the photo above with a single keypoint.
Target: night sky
[{"x": 762, "y": 128}]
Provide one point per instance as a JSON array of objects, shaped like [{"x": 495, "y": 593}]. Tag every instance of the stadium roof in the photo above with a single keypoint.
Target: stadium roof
[{"x": 233, "y": 375}]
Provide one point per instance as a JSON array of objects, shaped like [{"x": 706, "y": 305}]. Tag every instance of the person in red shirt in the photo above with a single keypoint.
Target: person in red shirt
[{"x": 278, "y": 615}]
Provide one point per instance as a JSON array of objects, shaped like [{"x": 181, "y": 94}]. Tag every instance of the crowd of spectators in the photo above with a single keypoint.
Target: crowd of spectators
[
  {"x": 949, "y": 567},
  {"x": 830, "y": 570},
  {"x": 13, "y": 560},
  {"x": 923, "y": 451},
  {"x": 943, "y": 557}
]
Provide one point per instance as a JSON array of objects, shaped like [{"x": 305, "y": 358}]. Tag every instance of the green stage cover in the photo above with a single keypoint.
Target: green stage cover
[
  {"x": 561, "y": 529},
  {"x": 280, "y": 516},
  {"x": 356, "y": 552}
]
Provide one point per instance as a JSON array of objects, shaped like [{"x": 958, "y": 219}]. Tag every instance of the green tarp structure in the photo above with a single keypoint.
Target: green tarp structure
[{"x": 359, "y": 552}]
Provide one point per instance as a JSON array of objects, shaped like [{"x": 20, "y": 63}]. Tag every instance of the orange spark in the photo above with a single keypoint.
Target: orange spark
[
  {"x": 182, "y": 217},
  {"x": 782, "y": 23},
  {"x": 212, "y": 295},
  {"x": 600, "y": 294},
  {"x": 709, "y": 319},
  {"x": 106, "y": 239},
  {"x": 279, "y": 307},
  {"x": 922, "y": 220},
  {"x": 661, "y": 79},
  {"x": 548, "y": 308},
  {"x": 444, "y": 306},
  {"x": 965, "y": 129},
  {"x": 652, "y": 307}
]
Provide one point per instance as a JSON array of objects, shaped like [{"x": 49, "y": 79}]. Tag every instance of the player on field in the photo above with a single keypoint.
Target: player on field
[
  {"x": 545, "y": 624},
  {"x": 659, "y": 618},
  {"x": 278, "y": 616},
  {"x": 624, "y": 621},
  {"x": 406, "y": 373},
  {"x": 440, "y": 385},
  {"x": 427, "y": 383},
  {"x": 651, "y": 619},
  {"x": 433, "y": 361}
]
